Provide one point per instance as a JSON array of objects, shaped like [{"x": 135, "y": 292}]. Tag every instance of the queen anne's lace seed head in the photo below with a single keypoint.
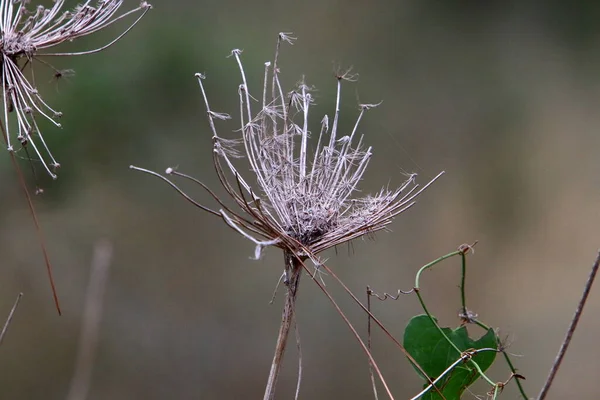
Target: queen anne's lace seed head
[
  {"x": 26, "y": 35},
  {"x": 303, "y": 197}
]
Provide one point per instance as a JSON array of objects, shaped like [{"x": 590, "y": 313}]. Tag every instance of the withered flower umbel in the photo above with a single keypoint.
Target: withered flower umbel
[
  {"x": 303, "y": 200},
  {"x": 301, "y": 197},
  {"x": 27, "y": 34}
]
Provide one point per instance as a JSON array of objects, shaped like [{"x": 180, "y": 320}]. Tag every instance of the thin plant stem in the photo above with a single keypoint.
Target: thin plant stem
[
  {"x": 145, "y": 7},
  {"x": 355, "y": 333},
  {"x": 369, "y": 293},
  {"x": 90, "y": 324},
  {"x": 38, "y": 229},
  {"x": 567, "y": 340},
  {"x": 432, "y": 263},
  {"x": 468, "y": 318},
  {"x": 293, "y": 272},
  {"x": 463, "y": 296},
  {"x": 433, "y": 321},
  {"x": 495, "y": 392},
  {"x": 385, "y": 296},
  {"x": 465, "y": 356},
  {"x": 299, "y": 346},
  {"x": 511, "y": 366},
  {"x": 410, "y": 358},
  {"x": 36, "y": 222},
  {"x": 459, "y": 351},
  {"x": 513, "y": 370},
  {"x": 10, "y": 317}
]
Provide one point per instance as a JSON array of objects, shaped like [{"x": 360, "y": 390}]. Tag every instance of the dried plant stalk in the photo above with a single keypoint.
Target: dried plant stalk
[
  {"x": 299, "y": 199},
  {"x": 10, "y": 317},
  {"x": 571, "y": 331},
  {"x": 293, "y": 272},
  {"x": 90, "y": 321}
]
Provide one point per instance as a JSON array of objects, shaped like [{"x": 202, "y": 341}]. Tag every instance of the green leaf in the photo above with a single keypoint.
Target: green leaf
[{"x": 434, "y": 354}]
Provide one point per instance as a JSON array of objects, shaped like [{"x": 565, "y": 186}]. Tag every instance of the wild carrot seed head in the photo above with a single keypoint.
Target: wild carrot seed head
[
  {"x": 26, "y": 34},
  {"x": 304, "y": 199}
]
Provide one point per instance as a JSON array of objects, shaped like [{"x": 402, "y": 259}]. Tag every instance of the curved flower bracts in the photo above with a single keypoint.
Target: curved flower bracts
[
  {"x": 301, "y": 197},
  {"x": 26, "y": 35}
]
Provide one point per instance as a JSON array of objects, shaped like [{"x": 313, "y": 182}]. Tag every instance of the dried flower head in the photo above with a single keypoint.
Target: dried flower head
[
  {"x": 304, "y": 198},
  {"x": 26, "y": 35},
  {"x": 301, "y": 197}
]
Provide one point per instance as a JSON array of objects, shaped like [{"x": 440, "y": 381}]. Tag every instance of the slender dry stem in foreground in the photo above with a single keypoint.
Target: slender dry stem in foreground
[
  {"x": 294, "y": 268},
  {"x": 10, "y": 317},
  {"x": 90, "y": 325},
  {"x": 373, "y": 383},
  {"x": 567, "y": 340}
]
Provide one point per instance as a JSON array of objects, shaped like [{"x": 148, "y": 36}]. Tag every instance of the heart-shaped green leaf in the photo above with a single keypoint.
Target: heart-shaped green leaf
[{"x": 434, "y": 354}]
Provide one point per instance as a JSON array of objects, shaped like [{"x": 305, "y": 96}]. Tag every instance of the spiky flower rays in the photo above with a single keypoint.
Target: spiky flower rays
[
  {"x": 300, "y": 199},
  {"x": 26, "y": 34}
]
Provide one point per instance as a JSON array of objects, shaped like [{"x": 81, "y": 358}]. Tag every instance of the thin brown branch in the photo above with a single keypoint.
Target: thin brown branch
[
  {"x": 567, "y": 340},
  {"x": 369, "y": 294},
  {"x": 10, "y": 317},
  {"x": 39, "y": 231},
  {"x": 354, "y": 332},
  {"x": 36, "y": 222},
  {"x": 293, "y": 271},
  {"x": 380, "y": 324},
  {"x": 247, "y": 223},
  {"x": 181, "y": 192}
]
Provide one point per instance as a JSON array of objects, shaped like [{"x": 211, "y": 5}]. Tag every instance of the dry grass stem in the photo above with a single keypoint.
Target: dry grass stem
[
  {"x": 10, "y": 317},
  {"x": 565, "y": 344},
  {"x": 90, "y": 325},
  {"x": 287, "y": 319},
  {"x": 38, "y": 228}
]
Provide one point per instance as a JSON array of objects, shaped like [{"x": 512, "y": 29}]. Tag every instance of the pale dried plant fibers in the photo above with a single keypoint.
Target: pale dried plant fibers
[
  {"x": 27, "y": 34},
  {"x": 303, "y": 200},
  {"x": 302, "y": 195}
]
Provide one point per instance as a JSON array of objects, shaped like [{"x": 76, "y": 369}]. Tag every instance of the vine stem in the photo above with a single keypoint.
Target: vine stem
[
  {"x": 463, "y": 358},
  {"x": 463, "y": 296},
  {"x": 567, "y": 340},
  {"x": 459, "y": 351},
  {"x": 511, "y": 366},
  {"x": 293, "y": 269},
  {"x": 473, "y": 319},
  {"x": 434, "y": 322}
]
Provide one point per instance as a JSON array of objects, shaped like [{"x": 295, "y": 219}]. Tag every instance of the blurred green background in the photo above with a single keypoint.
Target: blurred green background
[{"x": 502, "y": 95}]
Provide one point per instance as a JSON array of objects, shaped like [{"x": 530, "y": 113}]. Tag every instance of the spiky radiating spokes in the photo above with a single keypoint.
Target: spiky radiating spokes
[
  {"x": 300, "y": 199},
  {"x": 26, "y": 35},
  {"x": 305, "y": 196}
]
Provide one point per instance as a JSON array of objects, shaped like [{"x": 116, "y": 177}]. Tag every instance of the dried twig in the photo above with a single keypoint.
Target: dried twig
[
  {"x": 287, "y": 318},
  {"x": 567, "y": 340},
  {"x": 10, "y": 317},
  {"x": 38, "y": 228},
  {"x": 373, "y": 384}
]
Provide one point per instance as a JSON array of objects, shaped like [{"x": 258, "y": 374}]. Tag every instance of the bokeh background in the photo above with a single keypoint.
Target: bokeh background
[{"x": 502, "y": 95}]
